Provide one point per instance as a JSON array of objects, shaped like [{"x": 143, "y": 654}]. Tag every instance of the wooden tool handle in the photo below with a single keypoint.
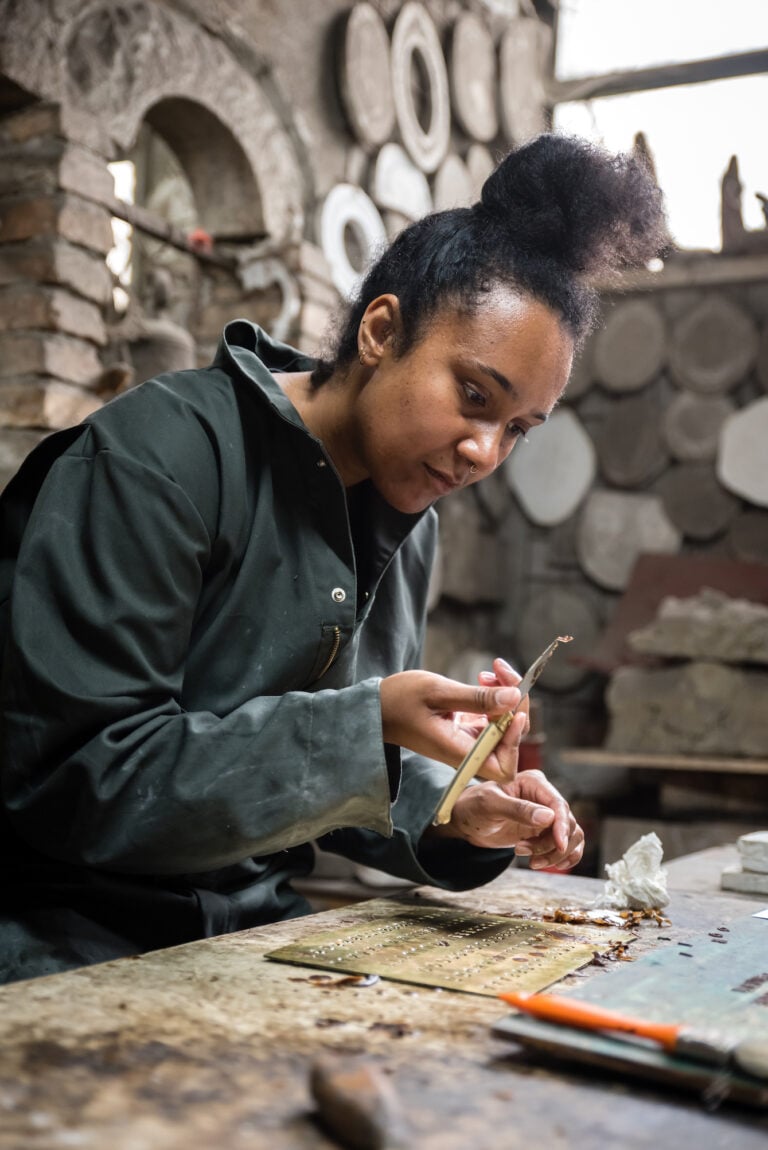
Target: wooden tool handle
[
  {"x": 468, "y": 768},
  {"x": 570, "y": 1012}
]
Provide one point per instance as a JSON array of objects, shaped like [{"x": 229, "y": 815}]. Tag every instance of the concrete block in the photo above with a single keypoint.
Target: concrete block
[
  {"x": 41, "y": 353},
  {"x": 55, "y": 261},
  {"x": 710, "y": 626},
  {"x": 692, "y": 709},
  {"x": 28, "y": 306},
  {"x": 745, "y": 881},
  {"x": 49, "y": 165},
  {"x": 45, "y": 403},
  {"x": 753, "y": 851},
  {"x": 72, "y": 218}
]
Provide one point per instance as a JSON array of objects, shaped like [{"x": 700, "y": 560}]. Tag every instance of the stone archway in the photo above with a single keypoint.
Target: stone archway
[{"x": 113, "y": 63}]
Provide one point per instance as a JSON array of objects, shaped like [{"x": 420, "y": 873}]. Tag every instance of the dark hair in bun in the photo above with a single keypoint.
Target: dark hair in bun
[{"x": 555, "y": 215}]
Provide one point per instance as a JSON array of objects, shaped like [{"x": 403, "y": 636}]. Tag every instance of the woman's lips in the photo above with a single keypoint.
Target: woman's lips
[{"x": 443, "y": 482}]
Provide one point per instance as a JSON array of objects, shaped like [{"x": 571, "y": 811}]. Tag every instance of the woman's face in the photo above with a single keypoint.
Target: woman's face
[{"x": 451, "y": 409}]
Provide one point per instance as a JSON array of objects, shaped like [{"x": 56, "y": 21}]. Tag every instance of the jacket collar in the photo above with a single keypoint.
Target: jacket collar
[{"x": 251, "y": 352}]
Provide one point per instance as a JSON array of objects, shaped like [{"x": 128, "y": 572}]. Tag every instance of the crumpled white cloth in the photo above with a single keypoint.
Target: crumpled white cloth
[{"x": 637, "y": 881}]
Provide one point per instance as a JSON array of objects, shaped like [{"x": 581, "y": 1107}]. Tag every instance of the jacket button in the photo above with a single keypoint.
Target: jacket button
[
  {"x": 338, "y": 594},
  {"x": 321, "y": 463}
]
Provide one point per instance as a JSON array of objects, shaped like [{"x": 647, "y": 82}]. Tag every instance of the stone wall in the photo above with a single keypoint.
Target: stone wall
[
  {"x": 640, "y": 458},
  {"x": 268, "y": 114}
]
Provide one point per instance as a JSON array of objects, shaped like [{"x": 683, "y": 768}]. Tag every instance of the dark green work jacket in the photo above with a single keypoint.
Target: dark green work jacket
[{"x": 195, "y": 620}]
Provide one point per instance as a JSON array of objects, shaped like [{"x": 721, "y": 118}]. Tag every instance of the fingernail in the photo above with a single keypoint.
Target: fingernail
[
  {"x": 521, "y": 850},
  {"x": 505, "y": 664},
  {"x": 488, "y": 676},
  {"x": 542, "y": 818}
]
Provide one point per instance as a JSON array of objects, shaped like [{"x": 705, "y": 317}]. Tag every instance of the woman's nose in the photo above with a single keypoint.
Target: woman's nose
[{"x": 483, "y": 451}]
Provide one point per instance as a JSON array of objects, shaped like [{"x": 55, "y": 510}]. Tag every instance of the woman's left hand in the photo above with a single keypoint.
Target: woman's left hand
[{"x": 527, "y": 813}]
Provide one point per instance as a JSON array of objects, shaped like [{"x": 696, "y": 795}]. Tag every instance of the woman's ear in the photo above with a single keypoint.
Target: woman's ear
[{"x": 378, "y": 329}]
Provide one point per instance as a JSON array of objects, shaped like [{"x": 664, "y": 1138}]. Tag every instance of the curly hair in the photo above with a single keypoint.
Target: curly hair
[{"x": 555, "y": 215}]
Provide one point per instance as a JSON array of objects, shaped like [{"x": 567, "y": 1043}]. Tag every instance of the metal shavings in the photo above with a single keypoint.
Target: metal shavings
[{"x": 617, "y": 952}]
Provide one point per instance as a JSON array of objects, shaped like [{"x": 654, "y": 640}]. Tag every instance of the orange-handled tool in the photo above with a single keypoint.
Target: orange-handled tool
[
  {"x": 571, "y": 1012},
  {"x": 713, "y": 1048}
]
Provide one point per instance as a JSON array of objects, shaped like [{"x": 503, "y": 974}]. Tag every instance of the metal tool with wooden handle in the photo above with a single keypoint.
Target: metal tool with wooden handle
[
  {"x": 490, "y": 737},
  {"x": 702, "y": 1046}
]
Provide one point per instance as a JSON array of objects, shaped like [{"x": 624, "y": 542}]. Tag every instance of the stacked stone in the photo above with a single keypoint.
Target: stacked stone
[
  {"x": 54, "y": 283},
  {"x": 707, "y": 695}
]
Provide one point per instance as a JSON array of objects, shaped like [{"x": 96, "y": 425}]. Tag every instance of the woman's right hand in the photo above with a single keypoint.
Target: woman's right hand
[{"x": 440, "y": 718}]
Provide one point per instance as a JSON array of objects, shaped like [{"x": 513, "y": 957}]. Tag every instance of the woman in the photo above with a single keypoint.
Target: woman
[{"x": 215, "y": 592}]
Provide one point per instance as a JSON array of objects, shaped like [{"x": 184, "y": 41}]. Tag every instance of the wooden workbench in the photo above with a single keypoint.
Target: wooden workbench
[{"x": 208, "y": 1045}]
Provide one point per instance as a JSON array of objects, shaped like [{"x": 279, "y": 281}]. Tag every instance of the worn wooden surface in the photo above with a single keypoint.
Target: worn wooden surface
[{"x": 209, "y": 1044}]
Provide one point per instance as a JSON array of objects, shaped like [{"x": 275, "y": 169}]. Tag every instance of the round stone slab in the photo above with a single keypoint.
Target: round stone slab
[
  {"x": 398, "y": 185},
  {"x": 615, "y": 528},
  {"x": 557, "y": 611},
  {"x": 692, "y": 425},
  {"x": 742, "y": 458},
  {"x": 480, "y": 164},
  {"x": 712, "y": 347},
  {"x": 630, "y": 349},
  {"x": 352, "y": 234},
  {"x": 452, "y": 186},
  {"x": 630, "y": 446},
  {"x": 425, "y": 126},
  {"x": 696, "y": 502},
  {"x": 472, "y": 73},
  {"x": 552, "y": 471},
  {"x": 365, "y": 77},
  {"x": 521, "y": 85}
]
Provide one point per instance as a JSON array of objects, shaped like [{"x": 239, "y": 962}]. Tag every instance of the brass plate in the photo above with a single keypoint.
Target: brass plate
[{"x": 453, "y": 949}]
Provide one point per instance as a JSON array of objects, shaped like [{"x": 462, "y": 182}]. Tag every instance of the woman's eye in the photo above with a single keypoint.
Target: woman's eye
[{"x": 473, "y": 395}]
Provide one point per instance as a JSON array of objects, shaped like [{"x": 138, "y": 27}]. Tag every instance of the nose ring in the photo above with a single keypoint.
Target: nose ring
[{"x": 473, "y": 469}]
